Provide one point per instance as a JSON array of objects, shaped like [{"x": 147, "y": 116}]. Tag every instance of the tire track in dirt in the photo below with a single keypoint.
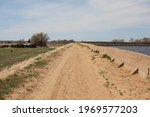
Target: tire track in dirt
[
  {"x": 79, "y": 79},
  {"x": 74, "y": 77}
]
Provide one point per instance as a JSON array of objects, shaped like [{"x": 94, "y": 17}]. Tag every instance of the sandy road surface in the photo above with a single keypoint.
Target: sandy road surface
[{"x": 75, "y": 75}]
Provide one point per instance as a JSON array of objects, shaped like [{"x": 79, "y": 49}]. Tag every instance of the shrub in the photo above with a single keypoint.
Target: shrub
[
  {"x": 106, "y": 56},
  {"x": 39, "y": 39},
  {"x": 4, "y": 46},
  {"x": 96, "y": 51}
]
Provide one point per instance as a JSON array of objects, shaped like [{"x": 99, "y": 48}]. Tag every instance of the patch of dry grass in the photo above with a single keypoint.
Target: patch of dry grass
[
  {"x": 10, "y": 56},
  {"x": 13, "y": 81}
]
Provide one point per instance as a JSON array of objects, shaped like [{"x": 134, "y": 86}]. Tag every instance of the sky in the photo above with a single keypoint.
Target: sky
[{"x": 81, "y": 20}]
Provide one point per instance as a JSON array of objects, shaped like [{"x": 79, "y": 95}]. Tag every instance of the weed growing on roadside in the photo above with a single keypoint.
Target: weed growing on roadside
[
  {"x": 102, "y": 72},
  {"x": 106, "y": 56},
  {"x": 92, "y": 58},
  {"x": 96, "y": 51},
  {"x": 38, "y": 58},
  {"x": 40, "y": 63},
  {"x": 29, "y": 66},
  {"x": 107, "y": 84}
]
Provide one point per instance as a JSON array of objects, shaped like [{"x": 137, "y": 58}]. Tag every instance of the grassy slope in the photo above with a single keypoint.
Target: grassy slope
[
  {"x": 13, "y": 81},
  {"x": 8, "y": 58}
]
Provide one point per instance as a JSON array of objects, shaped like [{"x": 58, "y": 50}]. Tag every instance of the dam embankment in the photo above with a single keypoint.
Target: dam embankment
[{"x": 135, "y": 62}]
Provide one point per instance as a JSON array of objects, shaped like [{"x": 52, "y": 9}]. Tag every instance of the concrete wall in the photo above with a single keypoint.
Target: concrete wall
[{"x": 132, "y": 60}]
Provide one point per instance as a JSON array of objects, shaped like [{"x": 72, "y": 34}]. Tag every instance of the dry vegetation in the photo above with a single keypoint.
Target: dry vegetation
[
  {"x": 15, "y": 80},
  {"x": 75, "y": 71},
  {"x": 10, "y": 56},
  {"x": 21, "y": 77}
]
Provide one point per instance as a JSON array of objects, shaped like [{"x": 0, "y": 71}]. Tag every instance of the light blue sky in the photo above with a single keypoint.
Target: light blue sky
[{"x": 94, "y": 20}]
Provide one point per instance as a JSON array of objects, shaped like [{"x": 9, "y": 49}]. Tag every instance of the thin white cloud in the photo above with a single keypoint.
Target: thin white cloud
[
  {"x": 121, "y": 13},
  {"x": 95, "y": 16}
]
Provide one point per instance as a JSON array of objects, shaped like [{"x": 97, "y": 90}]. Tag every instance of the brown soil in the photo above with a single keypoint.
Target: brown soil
[{"x": 77, "y": 73}]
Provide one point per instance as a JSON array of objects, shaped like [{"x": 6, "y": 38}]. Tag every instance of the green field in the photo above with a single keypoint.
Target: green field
[{"x": 10, "y": 56}]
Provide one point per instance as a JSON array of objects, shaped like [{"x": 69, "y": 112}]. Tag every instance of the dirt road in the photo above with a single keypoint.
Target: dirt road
[{"x": 77, "y": 73}]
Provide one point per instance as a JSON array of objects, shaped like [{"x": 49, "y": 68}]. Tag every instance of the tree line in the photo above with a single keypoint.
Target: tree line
[
  {"x": 143, "y": 40},
  {"x": 37, "y": 40}
]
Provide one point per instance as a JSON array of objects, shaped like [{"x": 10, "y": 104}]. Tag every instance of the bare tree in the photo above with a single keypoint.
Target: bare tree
[{"x": 39, "y": 39}]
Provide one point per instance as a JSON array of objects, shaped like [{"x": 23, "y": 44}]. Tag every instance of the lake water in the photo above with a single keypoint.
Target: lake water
[{"x": 139, "y": 49}]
